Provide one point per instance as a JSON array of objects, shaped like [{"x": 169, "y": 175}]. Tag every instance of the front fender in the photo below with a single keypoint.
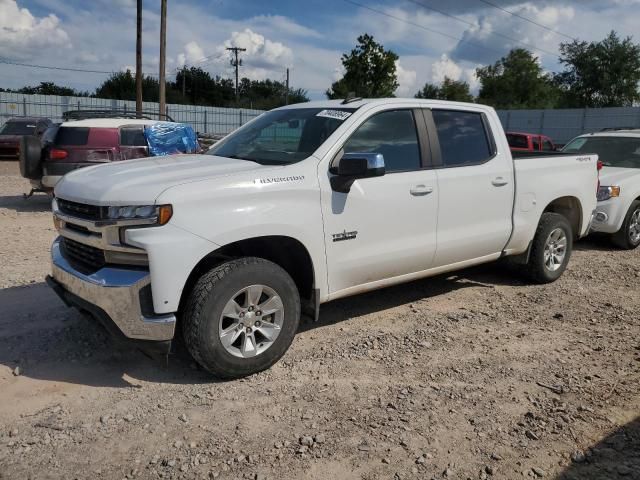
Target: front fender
[{"x": 244, "y": 208}]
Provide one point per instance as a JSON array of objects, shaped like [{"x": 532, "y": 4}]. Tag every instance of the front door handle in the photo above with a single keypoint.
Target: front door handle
[
  {"x": 499, "y": 182},
  {"x": 420, "y": 190}
]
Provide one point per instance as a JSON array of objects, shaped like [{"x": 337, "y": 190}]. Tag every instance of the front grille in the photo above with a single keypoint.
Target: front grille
[
  {"x": 9, "y": 151},
  {"x": 81, "y": 210},
  {"x": 83, "y": 258}
]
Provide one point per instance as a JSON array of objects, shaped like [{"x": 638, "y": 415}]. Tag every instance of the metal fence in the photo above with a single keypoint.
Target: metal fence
[
  {"x": 211, "y": 120},
  {"x": 563, "y": 125},
  {"x": 560, "y": 125}
]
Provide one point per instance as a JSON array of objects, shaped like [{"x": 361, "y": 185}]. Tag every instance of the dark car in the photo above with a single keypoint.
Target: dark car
[{"x": 14, "y": 129}]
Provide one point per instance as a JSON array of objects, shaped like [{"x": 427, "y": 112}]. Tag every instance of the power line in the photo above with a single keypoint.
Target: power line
[
  {"x": 67, "y": 69},
  {"x": 533, "y": 47},
  {"x": 380, "y": 12},
  {"x": 491, "y": 4}
]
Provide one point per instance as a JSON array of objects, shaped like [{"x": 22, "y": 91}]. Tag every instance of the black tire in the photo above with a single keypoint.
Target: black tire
[
  {"x": 622, "y": 238},
  {"x": 30, "y": 157},
  {"x": 209, "y": 297},
  {"x": 536, "y": 268}
]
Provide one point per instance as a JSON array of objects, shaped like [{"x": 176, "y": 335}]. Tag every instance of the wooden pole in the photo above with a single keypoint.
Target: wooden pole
[
  {"x": 139, "y": 59},
  {"x": 163, "y": 52}
]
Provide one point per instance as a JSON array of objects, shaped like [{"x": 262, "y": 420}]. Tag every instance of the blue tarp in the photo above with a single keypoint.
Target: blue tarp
[{"x": 167, "y": 138}]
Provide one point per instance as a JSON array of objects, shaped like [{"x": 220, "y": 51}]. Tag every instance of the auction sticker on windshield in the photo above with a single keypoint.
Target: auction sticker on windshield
[{"x": 337, "y": 114}]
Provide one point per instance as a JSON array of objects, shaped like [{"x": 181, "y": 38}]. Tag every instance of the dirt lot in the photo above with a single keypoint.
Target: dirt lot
[{"x": 475, "y": 375}]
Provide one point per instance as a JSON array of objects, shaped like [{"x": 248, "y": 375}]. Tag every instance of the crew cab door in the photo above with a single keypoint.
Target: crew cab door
[
  {"x": 384, "y": 226},
  {"x": 475, "y": 185}
]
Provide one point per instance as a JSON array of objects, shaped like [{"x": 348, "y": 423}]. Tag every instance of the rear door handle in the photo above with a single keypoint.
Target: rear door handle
[
  {"x": 499, "y": 182},
  {"x": 420, "y": 190}
]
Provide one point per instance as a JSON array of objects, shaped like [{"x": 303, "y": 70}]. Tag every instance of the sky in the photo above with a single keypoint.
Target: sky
[{"x": 433, "y": 38}]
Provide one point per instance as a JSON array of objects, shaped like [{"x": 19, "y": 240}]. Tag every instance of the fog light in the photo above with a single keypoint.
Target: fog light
[{"x": 601, "y": 217}]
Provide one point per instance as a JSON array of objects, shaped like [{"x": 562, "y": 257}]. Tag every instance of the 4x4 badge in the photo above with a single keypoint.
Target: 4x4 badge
[{"x": 340, "y": 237}]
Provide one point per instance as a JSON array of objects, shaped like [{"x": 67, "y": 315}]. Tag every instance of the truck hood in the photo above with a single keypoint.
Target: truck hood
[
  {"x": 617, "y": 175},
  {"x": 141, "y": 181}
]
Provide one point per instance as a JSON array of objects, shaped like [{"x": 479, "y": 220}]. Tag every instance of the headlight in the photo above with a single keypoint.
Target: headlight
[
  {"x": 605, "y": 192},
  {"x": 162, "y": 213}
]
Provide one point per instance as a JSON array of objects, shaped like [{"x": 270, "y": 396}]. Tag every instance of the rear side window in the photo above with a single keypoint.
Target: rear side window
[
  {"x": 393, "y": 134},
  {"x": 72, "y": 136},
  {"x": 132, "y": 137},
  {"x": 517, "y": 141},
  {"x": 463, "y": 138},
  {"x": 18, "y": 128}
]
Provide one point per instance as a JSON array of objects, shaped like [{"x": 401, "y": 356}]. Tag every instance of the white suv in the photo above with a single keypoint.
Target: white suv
[{"x": 618, "y": 210}]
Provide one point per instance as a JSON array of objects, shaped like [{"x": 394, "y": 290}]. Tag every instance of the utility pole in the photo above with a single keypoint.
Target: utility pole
[
  {"x": 163, "y": 52},
  {"x": 286, "y": 93},
  {"x": 139, "y": 59},
  {"x": 184, "y": 82},
  {"x": 236, "y": 63}
]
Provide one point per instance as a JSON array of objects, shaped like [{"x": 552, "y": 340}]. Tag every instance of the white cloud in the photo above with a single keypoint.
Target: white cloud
[
  {"x": 406, "y": 79},
  {"x": 260, "y": 50},
  {"x": 445, "y": 67},
  {"x": 23, "y": 36},
  {"x": 284, "y": 25},
  {"x": 193, "y": 53}
]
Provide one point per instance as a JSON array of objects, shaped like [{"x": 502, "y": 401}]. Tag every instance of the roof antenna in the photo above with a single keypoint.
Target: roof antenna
[{"x": 351, "y": 97}]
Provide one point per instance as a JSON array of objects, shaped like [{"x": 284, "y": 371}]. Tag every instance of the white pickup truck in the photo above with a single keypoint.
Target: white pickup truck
[
  {"x": 618, "y": 210},
  {"x": 306, "y": 204}
]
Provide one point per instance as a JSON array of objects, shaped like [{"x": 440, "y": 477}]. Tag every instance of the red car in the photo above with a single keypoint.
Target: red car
[
  {"x": 529, "y": 142},
  {"x": 14, "y": 129}
]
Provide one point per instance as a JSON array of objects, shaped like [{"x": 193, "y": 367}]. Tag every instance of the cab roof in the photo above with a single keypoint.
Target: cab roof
[{"x": 359, "y": 102}]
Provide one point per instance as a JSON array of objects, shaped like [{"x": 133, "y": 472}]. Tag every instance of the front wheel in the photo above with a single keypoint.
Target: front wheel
[
  {"x": 628, "y": 237},
  {"x": 241, "y": 317},
  {"x": 551, "y": 248}
]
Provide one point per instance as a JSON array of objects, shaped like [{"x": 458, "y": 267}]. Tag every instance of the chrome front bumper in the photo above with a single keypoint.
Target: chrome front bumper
[{"x": 113, "y": 294}]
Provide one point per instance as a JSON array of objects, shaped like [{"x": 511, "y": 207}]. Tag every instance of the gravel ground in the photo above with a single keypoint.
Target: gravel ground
[{"x": 475, "y": 375}]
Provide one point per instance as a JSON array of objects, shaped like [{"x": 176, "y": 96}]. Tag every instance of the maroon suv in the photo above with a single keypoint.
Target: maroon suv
[
  {"x": 82, "y": 143},
  {"x": 14, "y": 129}
]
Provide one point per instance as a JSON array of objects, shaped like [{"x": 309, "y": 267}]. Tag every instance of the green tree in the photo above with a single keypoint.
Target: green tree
[
  {"x": 454, "y": 90},
  {"x": 516, "y": 81},
  {"x": 370, "y": 71},
  {"x": 599, "y": 74},
  {"x": 429, "y": 91},
  {"x": 50, "y": 88},
  {"x": 203, "y": 89},
  {"x": 268, "y": 94},
  {"x": 122, "y": 86}
]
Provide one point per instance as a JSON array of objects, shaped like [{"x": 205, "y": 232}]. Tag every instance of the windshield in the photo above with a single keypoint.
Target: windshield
[
  {"x": 612, "y": 151},
  {"x": 281, "y": 137},
  {"x": 18, "y": 128}
]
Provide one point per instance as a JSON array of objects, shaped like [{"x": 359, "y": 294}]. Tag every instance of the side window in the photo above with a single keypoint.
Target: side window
[
  {"x": 132, "y": 137},
  {"x": 463, "y": 138},
  {"x": 393, "y": 134},
  {"x": 547, "y": 146}
]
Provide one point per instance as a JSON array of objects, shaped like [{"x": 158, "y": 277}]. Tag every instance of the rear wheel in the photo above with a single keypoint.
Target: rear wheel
[
  {"x": 30, "y": 157},
  {"x": 551, "y": 248},
  {"x": 241, "y": 317},
  {"x": 628, "y": 237}
]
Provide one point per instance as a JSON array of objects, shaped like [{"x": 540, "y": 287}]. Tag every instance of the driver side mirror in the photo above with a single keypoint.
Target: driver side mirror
[{"x": 352, "y": 166}]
